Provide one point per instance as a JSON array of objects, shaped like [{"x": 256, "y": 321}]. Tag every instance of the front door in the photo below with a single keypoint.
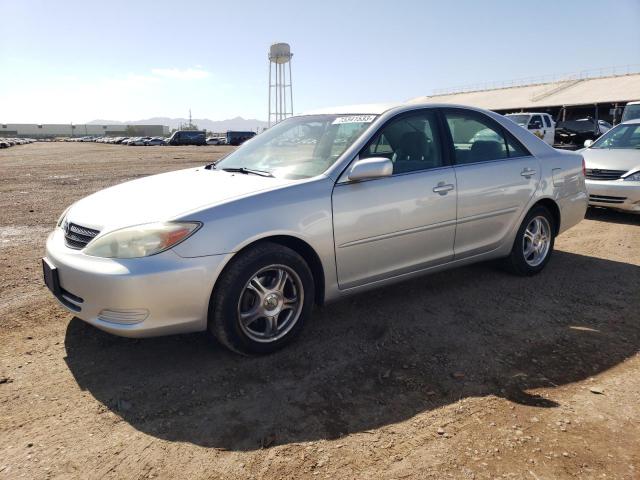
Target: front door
[
  {"x": 536, "y": 126},
  {"x": 549, "y": 130},
  {"x": 390, "y": 226},
  {"x": 496, "y": 178}
]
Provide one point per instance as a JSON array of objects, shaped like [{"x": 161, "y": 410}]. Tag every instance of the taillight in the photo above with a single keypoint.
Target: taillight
[{"x": 584, "y": 169}]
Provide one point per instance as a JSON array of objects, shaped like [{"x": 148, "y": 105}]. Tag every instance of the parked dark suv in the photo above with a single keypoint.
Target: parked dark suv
[
  {"x": 188, "y": 137},
  {"x": 573, "y": 133}
]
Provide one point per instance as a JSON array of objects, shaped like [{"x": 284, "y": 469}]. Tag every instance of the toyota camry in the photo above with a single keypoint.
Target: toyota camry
[{"x": 320, "y": 206}]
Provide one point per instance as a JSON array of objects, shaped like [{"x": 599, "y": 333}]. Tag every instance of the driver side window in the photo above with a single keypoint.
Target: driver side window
[
  {"x": 411, "y": 142},
  {"x": 535, "y": 122}
]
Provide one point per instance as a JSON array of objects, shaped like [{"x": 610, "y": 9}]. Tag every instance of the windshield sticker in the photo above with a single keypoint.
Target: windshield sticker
[{"x": 354, "y": 119}]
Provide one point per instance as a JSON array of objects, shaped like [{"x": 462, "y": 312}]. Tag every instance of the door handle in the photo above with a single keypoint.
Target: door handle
[
  {"x": 528, "y": 172},
  {"x": 442, "y": 188}
]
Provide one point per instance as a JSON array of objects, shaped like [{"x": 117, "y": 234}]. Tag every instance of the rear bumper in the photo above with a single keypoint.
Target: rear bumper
[
  {"x": 142, "y": 297},
  {"x": 617, "y": 194}
]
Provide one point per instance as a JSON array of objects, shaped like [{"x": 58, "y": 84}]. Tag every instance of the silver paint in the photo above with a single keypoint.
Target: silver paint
[{"x": 365, "y": 233}]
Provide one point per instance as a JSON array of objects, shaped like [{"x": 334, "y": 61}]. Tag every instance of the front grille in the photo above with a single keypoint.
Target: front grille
[
  {"x": 606, "y": 199},
  {"x": 597, "y": 174},
  {"x": 77, "y": 237}
]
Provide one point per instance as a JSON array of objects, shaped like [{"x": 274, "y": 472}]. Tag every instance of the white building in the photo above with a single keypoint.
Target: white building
[{"x": 52, "y": 130}]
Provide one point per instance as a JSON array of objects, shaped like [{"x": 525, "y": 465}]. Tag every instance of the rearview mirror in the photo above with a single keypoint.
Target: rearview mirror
[
  {"x": 368, "y": 168},
  {"x": 588, "y": 143}
]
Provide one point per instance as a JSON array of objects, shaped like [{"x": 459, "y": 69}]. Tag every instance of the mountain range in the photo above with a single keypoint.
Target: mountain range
[{"x": 237, "y": 123}]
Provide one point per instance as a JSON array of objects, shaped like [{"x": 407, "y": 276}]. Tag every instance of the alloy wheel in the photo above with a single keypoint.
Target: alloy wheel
[
  {"x": 270, "y": 303},
  {"x": 536, "y": 241}
]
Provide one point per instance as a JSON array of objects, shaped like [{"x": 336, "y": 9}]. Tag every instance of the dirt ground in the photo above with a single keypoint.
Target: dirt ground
[{"x": 471, "y": 373}]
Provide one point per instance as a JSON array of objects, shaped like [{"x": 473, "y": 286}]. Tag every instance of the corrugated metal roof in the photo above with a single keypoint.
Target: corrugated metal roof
[{"x": 620, "y": 89}]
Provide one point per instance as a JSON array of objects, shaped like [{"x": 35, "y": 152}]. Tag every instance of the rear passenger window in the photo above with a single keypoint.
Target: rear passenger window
[
  {"x": 477, "y": 138},
  {"x": 411, "y": 142},
  {"x": 514, "y": 147},
  {"x": 547, "y": 121},
  {"x": 474, "y": 138}
]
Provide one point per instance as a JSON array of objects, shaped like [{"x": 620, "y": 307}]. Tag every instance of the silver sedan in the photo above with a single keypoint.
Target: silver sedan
[
  {"x": 319, "y": 207},
  {"x": 613, "y": 168}
]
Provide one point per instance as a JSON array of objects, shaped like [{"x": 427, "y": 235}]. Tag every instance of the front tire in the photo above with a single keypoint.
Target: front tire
[
  {"x": 262, "y": 299},
  {"x": 533, "y": 245}
]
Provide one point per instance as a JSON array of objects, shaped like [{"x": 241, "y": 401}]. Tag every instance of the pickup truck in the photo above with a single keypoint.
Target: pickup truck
[
  {"x": 540, "y": 124},
  {"x": 631, "y": 111}
]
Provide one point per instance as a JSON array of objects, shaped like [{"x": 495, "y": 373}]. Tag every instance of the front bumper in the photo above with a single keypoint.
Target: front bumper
[
  {"x": 142, "y": 297},
  {"x": 617, "y": 194}
]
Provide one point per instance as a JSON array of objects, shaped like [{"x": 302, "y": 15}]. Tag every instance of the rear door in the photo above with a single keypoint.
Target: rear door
[
  {"x": 391, "y": 226},
  {"x": 496, "y": 178}
]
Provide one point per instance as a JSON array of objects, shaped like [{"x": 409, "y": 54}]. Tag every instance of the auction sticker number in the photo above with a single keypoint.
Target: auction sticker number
[{"x": 354, "y": 119}]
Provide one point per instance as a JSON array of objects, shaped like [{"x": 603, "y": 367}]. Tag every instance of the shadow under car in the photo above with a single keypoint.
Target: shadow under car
[{"x": 374, "y": 359}]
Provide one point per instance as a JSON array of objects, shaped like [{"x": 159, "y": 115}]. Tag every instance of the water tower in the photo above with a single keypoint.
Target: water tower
[{"x": 280, "y": 90}]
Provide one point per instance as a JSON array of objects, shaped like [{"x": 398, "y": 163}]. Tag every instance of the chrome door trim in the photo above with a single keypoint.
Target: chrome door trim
[
  {"x": 399, "y": 233},
  {"x": 508, "y": 159},
  {"x": 494, "y": 213}
]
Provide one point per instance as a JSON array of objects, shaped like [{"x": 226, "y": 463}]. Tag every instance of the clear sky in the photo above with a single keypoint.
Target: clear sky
[{"x": 64, "y": 61}]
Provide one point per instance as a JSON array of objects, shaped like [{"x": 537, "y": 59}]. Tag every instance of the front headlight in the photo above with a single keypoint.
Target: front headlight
[
  {"x": 63, "y": 216},
  {"x": 141, "y": 240},
  {"x": 634, "y": 177}
]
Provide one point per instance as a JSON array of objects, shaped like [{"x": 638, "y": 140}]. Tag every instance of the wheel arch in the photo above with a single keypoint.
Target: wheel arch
[
  {"x": 302, "y": 248},
  {"x": 553, "y": 208}
]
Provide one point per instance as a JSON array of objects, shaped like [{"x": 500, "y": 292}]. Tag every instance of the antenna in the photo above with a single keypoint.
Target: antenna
[{"x": 279, "y": 56}]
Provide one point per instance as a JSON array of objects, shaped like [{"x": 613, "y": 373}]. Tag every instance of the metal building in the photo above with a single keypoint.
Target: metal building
[
  {"x": 53, "y": 130},
  {"x": 600, "y": 97}
]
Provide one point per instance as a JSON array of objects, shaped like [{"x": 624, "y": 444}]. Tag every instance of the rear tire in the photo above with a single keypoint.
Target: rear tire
[
  {"x": 261, "y": 300},
  {"x": 533, "y": 245}
]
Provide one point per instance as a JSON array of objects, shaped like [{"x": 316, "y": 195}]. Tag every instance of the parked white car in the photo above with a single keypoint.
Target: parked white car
[
  {"x": 540, "y": 124},
  {"x": 318, "y": 207},
  {"x": 216, "y": 141},
  {"x": 613, "y": 168}
]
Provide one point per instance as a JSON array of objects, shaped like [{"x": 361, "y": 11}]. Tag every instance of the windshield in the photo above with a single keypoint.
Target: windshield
[
  {"x": 631, "y": 112},
  {"x": 299, "y": 147},
  {"x": 519, "y": 119},
  {"x": 622, "y": 136}
]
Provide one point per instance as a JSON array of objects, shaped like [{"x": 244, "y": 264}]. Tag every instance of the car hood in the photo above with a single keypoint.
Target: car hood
[
  {"x": 165, "y": 197},
  {"x": 612, "y": 159}
]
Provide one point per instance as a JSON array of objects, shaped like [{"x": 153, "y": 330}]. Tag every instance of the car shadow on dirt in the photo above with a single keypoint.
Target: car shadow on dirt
[
  {"x": 375, "y": 359},
  {"x": 612, "y": 216}
]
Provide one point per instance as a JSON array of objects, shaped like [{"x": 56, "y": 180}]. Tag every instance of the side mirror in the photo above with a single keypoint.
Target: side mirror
[
  {"x": 588, "y": 143},
  {"x": 534, "y": 126},
  {"x": 368, "y": 168}
]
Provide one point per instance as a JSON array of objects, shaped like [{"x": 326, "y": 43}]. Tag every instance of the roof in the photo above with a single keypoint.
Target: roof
[
  {"x": 368, "y": 109},
  {"x": 614, "y": 89}
]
